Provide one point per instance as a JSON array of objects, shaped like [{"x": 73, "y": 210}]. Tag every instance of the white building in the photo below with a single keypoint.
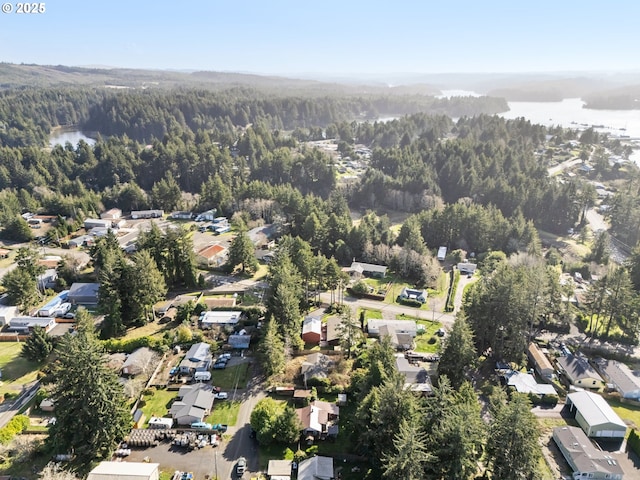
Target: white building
[
  {"x": 125, "y": 471},
  {"x": 595, "y": 416},
  {"x": 219, "y": 317}
]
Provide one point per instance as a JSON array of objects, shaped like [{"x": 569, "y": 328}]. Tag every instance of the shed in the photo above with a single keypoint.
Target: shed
[
  {"x": 279, "y": 470},
  {"x": 47, "y": 405},
  {"x": 312, "y": 330},
  {"x": 540, "y": 362},
  {"x": 583, "y": 457},
  {"x": 125, "y": 471},
  {"x": 84, "y": 293},
  {"x": 579, "y": 372},
  {"x": 595, "y": 416}
]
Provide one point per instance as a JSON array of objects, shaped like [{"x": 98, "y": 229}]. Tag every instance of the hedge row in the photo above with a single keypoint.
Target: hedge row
[
  {"x": 409, "y": 302},
  {"x": 449, "y": 307},
  {"x": 633, "y": 442},
  {"x": 114, "y": 345},
  {"x": 16, "y": 425}
]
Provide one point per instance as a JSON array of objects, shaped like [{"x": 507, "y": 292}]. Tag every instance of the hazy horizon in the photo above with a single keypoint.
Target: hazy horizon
[{"x": 353, "y": 39}]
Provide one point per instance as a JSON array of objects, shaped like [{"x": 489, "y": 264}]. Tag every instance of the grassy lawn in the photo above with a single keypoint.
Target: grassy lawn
[
  {"x": 628, "y": 413},
  {"x": 16, "y": 371},
  {"x": 262, "y": 272},
  {"x": 428, "y": 341},
  {"x": 273, "y": 452},
  {"x": 225, "y": 412},
  {"x": 231, "y": 377},
  {"x": 600, "y": 328},
  {"x": 158, "y": 403},
  {"x": 370, "y": 314}
]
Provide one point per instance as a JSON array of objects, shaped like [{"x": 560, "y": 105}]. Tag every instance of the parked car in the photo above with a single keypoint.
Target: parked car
[
  {"x": 221, "y": 396},
  {"x": 241, "y": 466},
  {"x": 219, "y": 365},
  {"x": 202, "y": 426},
  {"x": 69, "y": 315},
  {"x": 224, "y": 356},
  {"x": 221, "y": 427}
]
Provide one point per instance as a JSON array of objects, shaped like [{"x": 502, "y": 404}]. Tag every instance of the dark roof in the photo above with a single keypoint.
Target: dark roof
[
  {"x": 578, "y": 368},
  {"x": 582, "y": 455}
]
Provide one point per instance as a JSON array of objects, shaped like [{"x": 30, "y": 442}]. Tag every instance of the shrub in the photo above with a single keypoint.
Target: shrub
[
  {"x": 360, "y": 288},
  {"x": 633, "y": 442},
  {"x": 16, "y": 425},
  {"x": 409, "y": 302}
]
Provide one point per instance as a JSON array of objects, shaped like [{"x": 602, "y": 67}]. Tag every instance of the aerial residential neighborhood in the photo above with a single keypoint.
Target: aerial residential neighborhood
[{"x": 354, "y": 241}]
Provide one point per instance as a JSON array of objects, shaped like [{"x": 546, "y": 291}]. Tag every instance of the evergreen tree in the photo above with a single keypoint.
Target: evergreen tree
[
  {"x": 349, "y": 332},
  {"x": 513, "y": 449},
  {"x": 459, "y": 353},
  {"x": 287, "y": 427},
  {"x": 21, "y": 288},
  {"x": 242, "y": 252},
  {"x": 271, "y": 350},
  {"x": 409, "y": 455},
  {"x": 91, "y": 411},
  {"x": 38, "y": 346}
]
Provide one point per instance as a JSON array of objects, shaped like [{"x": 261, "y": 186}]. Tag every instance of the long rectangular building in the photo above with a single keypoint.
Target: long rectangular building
[{"x": 583, "y": 457}]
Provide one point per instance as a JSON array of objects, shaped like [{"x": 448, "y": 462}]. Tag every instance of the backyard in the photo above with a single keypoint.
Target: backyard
[
  {"x": 426, "y": 341},
  {"x": 225, "y": 412},
  {"x": 157, "y": 403},
  {"x": 231, "y": 377},
  {"x": 16, "y": 370}
]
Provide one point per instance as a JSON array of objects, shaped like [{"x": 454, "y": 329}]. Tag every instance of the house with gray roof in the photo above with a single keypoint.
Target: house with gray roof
[
  {"x": 316, "y": 365},
  {"x": 198, "y": 358},
  {"x": 193, "y": 405},
  {"x": 369, "y": 269},
  {"x": 583, "y": 457},
  {"x": 595, "y": 416},
  {"x": 526, "y": 383},
  {"x": 624, "y": 380},
  {"x": 400, "y": 332},
  {"x": 83, "y": 293},
  {"x": 416, "y": 378},
  {"x": 316, "y": 468},
  {"x": 579, "y": 372}
]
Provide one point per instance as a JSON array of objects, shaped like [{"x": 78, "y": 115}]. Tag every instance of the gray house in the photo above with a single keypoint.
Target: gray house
[
  {"x": 195, "y": 404},
  {"x": 197, "y": 358},
  {"x": 583, "y": 457},
  {"x": 624, "y": 380},
  {"x": 83, "y": 293}
]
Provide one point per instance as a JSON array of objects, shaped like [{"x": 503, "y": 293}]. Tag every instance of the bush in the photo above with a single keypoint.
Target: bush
[
  {"x": 452, "y": 292},
  {"x": 16, "y": 425},
  {"x": 360, "y": 288},
  {"x": 114, "y": 345},
  {"x": 633, "y": 442},
  {"x": 409, "y": 302}
]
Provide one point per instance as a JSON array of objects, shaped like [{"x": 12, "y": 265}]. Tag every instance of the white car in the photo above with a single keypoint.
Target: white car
[{"x": 221, "y": 396}]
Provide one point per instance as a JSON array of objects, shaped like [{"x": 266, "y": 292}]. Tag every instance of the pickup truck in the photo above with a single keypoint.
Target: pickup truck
[{"x": 221, "y": 427}]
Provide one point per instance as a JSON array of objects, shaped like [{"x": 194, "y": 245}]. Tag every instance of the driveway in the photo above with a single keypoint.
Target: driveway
[{"x": 210, "y": 462}]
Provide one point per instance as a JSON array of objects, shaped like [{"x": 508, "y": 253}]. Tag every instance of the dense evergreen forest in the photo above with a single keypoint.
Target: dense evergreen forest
[{"x": 240, "y": 148}]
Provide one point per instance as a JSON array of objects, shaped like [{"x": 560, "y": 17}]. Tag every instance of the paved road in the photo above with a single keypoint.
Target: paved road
[
  {"x": 9, "y": 409},
  {"x": 563, "y": 166}
]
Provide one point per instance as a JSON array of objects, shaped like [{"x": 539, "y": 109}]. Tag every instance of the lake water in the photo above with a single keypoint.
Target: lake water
[
  {"x": 61, "y": 137},
  {"x": 569, "y": 113}
]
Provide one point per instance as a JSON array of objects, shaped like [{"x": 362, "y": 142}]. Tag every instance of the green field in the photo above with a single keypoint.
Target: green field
[
  {"x": 231, "y": 377},
  {"x": 427, "y": 342},
  {"x": 157, "y": 403},
  {"x": 16, "y": 371},
  {"x": 629, "y": 413},
  {"x": 225, "y": 412}
]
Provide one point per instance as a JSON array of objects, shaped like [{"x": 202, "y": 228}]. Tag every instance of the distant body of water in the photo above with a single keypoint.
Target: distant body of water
[
  {"x": 62, "y": 136},
  {"x": 569, "y": 114}
]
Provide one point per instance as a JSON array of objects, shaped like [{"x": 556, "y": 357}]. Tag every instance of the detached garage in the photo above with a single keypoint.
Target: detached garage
[{"x": 595, "y": 416}]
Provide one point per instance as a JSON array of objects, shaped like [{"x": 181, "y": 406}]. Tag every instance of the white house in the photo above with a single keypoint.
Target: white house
[
  {"x": 219, "y": 317},
  {"x": 412, "y": 294},
  {"x": 90, "y": 223}
]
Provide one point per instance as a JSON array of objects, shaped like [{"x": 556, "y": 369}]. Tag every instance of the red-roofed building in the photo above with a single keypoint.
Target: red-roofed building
[{"x": 212, "y": 256}]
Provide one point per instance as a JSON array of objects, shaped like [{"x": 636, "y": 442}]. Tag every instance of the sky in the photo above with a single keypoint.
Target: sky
[{"x": 328, "y": 36}]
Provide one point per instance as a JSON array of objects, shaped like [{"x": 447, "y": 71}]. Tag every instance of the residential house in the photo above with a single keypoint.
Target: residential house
[
  {"x": 181, "y": 215},
  {"x": 368, "y": 270},
  {"x": 193, "y": 405},
  {"x": 90, "y": 223},
  {"x": 579, "y": 372},
  {"x": 316, "y": 468},
  {"x": 7, "y": 312},
  {"x": 625, "y": 381},
  {"x": 113, "y": 214},
  {"x": 416, "y": 378},
  {"x": 142, "y": 214},
  {"x": 138, "y": 362},
  {"x": 583, "y": 457},
  {"x": 27, "y": 324},
  {"x": 50, "y": 261},
  {"x": 595, "y": 416},
  {"x": 413, "y": 294},
  {"x": 400, "y": 332},
  {"x": 47, "y": 279},
  {"x": 466, "y": 268},
  {"x": 316, "y": 365},
  {"x": 312, "y": 329},
  {"x": 212, "y": 256},
  {"x": 319, "y": 420},
  {"x": 125, "y": 471},
  {"x": 198, "y": 358},
  {"x": 81, "y": 241},
  {"x": 526, "y": 383},
  {"x": 279, "y": 470},
  {"x": 212, "y": 318},
  {"x": 83, "y": 293},
  {"x": 240, "y": 341},
  {"x": 207, "y": 216},
  {"x": 332, "y": 334},
  {"x": 540, "y": 362}
]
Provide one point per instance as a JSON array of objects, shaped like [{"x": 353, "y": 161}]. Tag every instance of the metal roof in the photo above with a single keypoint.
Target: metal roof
[
  {"x": 582, "y": 455},
  {"x": 594, "y": 409}
]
